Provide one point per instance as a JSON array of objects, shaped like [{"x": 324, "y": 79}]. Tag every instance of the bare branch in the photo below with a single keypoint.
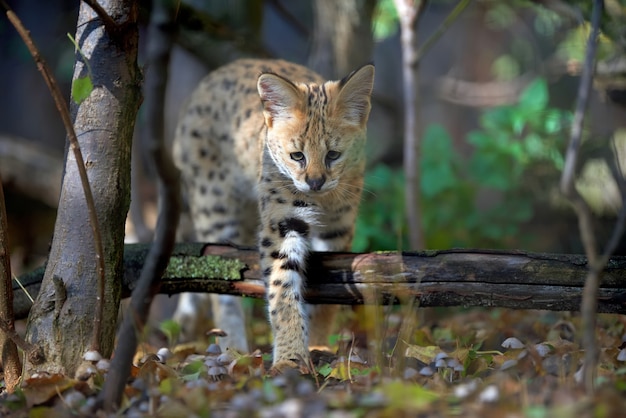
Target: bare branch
[
  {"x": 596, "y": 264},
  {"x": 453, "y": 16},
  {"x": 109, "y": 24}
]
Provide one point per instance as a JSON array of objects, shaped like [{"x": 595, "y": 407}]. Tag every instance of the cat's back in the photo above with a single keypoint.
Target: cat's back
[{"x": 222, "y": 121}]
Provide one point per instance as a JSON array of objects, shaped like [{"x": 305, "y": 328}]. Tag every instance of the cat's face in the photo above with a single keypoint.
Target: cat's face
[{"x": 316, "y": 133}]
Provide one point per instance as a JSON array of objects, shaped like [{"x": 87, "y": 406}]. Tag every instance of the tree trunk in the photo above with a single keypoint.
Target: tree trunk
[
  {"x": 342, "y": 39},
  {"x": 408, "y": 14},
  {"x": 9, "y": 357},
  {"x": 62, "y": 318},
  {"x": 510, "y": 279}
]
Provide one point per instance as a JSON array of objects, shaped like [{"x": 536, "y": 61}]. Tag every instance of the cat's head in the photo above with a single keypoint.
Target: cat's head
[{"x": 316, "y": 133}]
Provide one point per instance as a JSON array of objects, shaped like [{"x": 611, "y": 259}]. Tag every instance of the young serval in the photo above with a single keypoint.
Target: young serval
[{"x": 270, "y": 152}]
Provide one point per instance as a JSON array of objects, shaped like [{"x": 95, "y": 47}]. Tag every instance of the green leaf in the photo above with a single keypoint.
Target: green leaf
[
  {"x": 535, "y": 97},
  {"x": 325, "y": 370},
  {"x": 192, "y": 370},
  {"x": 424, "y": 354},
  {"x": 171, "y": 329},
  {"x": 81, "y": 89},
  {"x": 412, "y": 397}
]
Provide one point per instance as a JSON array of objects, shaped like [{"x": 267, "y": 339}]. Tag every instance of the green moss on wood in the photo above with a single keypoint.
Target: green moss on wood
[{"x": 210, "y": 266}]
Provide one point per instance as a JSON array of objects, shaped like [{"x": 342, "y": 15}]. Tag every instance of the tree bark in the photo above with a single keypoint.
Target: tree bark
[
  {"x": 408, "y": 14},
  {"x": 342, "y": 38},
  {"x": 160, "y": 34},
  {"x": 9, "y": 357},
  {"x": 62, "y": 317},
  {"x": 509, "y": 279}
]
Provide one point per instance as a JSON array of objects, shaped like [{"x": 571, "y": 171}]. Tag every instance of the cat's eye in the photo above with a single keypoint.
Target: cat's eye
[
  {"x": 333, "y": 155},
  {"x": 297, "y": 156}
]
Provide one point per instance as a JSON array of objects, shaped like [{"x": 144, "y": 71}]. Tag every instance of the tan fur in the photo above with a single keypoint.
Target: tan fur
[{"x": 293, "y": 159}]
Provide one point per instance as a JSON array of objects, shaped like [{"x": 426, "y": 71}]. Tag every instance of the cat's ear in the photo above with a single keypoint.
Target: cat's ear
[
  {"x": 280, "y": 97},
  {"x": 355, "y": 91}
]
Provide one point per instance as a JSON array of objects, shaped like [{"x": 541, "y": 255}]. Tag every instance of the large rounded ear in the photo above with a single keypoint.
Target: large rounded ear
[
  {"x": 280, "y": 97},
  {"x": 353, "y": 103}
]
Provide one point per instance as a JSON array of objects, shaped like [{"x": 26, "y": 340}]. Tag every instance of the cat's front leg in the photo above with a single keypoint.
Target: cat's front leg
[{"x": 284, "y": 249}]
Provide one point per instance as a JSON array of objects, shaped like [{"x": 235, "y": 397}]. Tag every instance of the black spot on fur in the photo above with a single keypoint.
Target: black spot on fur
[
  {"x": 337, "y": 233},
  {"x": 290, "y": 265},
  {"x": 300, "y": 203},
  {"x": 266, "y": 242},
  {"x": 293, "y": 224},
  {"x": 219, "y": 208},
  {"x": 195, "y": 133}
]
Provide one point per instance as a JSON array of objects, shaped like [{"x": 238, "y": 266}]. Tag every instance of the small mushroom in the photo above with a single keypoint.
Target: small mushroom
[{"x": 93, "y": 356}]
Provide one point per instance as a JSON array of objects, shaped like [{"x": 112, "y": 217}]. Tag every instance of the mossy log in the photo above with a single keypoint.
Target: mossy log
[{"x": 510, "y": 279}]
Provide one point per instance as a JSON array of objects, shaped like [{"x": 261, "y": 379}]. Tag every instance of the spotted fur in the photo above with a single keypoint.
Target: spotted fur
[{"x": 285, "y": 171}]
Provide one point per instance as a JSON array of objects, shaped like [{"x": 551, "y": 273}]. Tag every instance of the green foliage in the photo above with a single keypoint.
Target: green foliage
[
  {"x": 512, "y": 142},
  {"x": 380, "y": 224},
  {"x": 81, "y": 86},
  {"x": 171, "y": 329},
  {"x": 385, "y": 19}
]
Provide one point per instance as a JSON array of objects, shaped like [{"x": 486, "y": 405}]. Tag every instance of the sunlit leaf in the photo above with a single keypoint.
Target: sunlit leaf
[
  {"x": 81, "y": 88},
  {"x": 423, "y": 354}
]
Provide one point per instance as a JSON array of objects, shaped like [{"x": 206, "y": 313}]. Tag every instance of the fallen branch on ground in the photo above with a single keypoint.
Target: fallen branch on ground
[{"x": 509, "y": 279}]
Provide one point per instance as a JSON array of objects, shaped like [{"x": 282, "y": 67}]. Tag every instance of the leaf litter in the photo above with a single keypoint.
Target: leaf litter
[{"x": 458, "y": 362}]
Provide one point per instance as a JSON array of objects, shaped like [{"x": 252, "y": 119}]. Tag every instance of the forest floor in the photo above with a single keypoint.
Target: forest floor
[{"x": 460, "y": 362}]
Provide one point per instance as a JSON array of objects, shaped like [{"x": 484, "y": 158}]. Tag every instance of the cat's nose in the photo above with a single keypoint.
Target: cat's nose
[{"x": 316, "y": 183}]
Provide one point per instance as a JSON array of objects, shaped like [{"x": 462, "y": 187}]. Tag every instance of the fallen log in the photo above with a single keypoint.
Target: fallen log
[{"x": 509, "y": 279}]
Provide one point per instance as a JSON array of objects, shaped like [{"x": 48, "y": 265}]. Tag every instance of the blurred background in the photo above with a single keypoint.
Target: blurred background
[{"x": 496, "y": 95}]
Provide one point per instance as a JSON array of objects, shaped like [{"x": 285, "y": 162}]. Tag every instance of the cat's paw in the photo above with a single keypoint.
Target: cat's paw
[{"x": 282, "y": 366}]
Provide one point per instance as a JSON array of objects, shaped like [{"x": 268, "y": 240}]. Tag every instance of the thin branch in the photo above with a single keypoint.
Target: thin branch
[
  {"x": 596, "y": 265},
  {"x": 62, "y": 107},
  {"x": 159, "y": 46},
  {"x": 33, "y": 352},
  {"x": 109, "y": 24},
  {"x": 453, "y": 16},
  {"x": 620, "y": 224}
]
